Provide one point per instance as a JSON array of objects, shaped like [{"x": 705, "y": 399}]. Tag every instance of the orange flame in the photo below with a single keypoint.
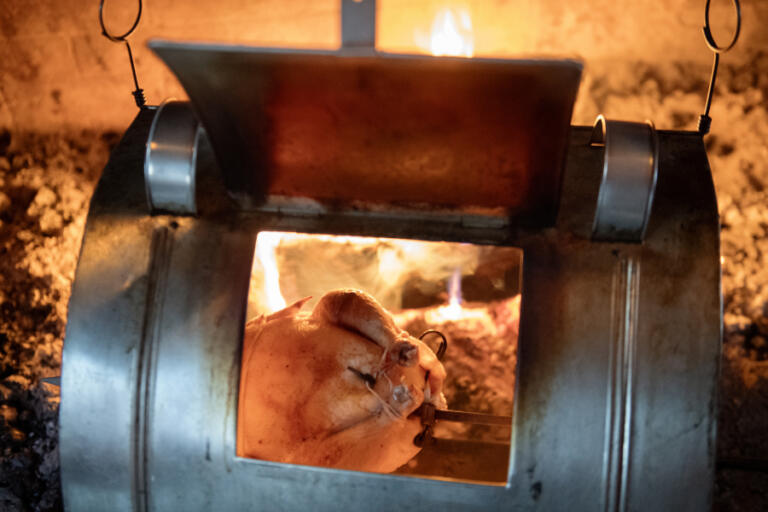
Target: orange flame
[
  {"x": 266, "y": 246},
  {"x": 452, "y": 33},
  {"x": 395, "y": 260},
  {"x": 453, "y": 311}
]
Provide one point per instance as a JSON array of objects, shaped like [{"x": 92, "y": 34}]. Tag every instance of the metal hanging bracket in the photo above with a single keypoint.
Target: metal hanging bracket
[
  {"x": 630, "y": 170},
  {"x": 358, "y": 25},
  {"x": 171, "y": 158},
  {"x": 138, "y": 92}
]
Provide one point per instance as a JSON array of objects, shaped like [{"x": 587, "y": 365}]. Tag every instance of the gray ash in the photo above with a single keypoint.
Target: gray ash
[
  {"x": 45, "y": 186},
  {"x": 29, "y": 467}
]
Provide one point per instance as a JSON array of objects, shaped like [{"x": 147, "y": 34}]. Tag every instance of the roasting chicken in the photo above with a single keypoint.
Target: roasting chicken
[{"x": 334, "y": 387}]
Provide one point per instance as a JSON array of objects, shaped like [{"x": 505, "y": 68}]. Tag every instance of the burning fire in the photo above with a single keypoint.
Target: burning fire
[
  {"x": 454, "y": 311},
  {"x": 266, "y": 247},
  {"x": 451, "y": 34},
  {"x": 454, "y": 293},
  {"x": 395, "y": 260}
]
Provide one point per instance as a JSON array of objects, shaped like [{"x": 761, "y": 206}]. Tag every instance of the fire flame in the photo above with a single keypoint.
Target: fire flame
[
  {"x": 453, "y": 311},
  {"x": 266, "y": 246},
  {"x": 395, "y": 257},
  {"x": 451, "y": 34},
  {"x": 396, "y": 260}
]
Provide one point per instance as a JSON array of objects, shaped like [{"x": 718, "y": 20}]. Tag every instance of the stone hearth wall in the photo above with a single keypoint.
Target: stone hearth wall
[{"x": 57, "y": 71}]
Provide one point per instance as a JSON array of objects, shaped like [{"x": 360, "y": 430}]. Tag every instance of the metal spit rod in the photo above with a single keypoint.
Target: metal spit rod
[{"x": 461, "y": 416}]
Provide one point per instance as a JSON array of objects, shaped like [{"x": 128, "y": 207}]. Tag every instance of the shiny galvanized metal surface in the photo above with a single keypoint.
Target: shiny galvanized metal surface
[
  {"x": 169, "y": 167},
  {"x": 617, "y": 362},
  {"x": 105, "y": 327},
  {"x": 630, "y": 170},
  {"x": 620, "y": 345},
  {"x": 393, "y": 129}
]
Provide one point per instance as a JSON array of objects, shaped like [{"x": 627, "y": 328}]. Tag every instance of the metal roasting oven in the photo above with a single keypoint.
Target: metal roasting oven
[{"x": 620, "y": 322}]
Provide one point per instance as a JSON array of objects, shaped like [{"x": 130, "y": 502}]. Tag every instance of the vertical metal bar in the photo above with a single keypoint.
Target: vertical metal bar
[{"x": 358, "y": 24}]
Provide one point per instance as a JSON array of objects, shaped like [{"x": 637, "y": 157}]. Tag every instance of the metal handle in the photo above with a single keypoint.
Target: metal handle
[
  {"x": 630, "y": 170},
  {"x": 171, "y": 158}
]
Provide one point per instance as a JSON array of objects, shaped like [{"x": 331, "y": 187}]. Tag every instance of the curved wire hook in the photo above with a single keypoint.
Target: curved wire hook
[
  {"x": 708, "y": 32},
  {"x": 443, "y": 343},
  {"x": 427, "y": 408},
  {"x": 704, "y": 120},
  {"x": 121, "y": 38},
  {"x": 138, "y": 93}
]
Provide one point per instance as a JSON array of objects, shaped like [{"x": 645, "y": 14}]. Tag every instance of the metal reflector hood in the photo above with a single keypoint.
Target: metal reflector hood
[{"x": 405, "y": 130}]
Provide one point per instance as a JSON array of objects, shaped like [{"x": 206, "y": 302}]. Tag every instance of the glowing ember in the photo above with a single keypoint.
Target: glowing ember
[{"x": 480, "y": 362}]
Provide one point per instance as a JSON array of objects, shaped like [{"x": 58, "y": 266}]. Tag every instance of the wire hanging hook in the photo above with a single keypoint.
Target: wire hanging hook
[
  {"x": 443, "y": 342},
  {"x": 708, "y": 30},
  {"x": 704, "y": 120},
  {"x": 138, "y": 93},
  {"x": 428, "y": 409}
]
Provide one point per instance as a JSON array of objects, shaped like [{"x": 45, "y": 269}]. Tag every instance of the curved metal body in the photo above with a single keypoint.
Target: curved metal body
[{"x": 618, "y": 353}]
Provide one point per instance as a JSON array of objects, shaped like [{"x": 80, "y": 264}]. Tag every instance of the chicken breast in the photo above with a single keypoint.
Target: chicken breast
[{"x": 335, "y": 387}]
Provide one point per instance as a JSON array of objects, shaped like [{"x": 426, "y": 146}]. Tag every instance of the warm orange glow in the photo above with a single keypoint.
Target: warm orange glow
[
  {"x": 454, "y": 291},
  {"x": 451, "y": 34},
  {"x": 395, "y": 258},
  {"x": 379, "y": 266},
  {"x": 266, "y": 245},
  {"x": 453, "y": 311}
]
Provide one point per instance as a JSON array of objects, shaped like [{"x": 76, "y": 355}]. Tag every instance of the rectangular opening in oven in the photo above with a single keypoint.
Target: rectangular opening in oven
[{"x": 381, "y": 355}]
